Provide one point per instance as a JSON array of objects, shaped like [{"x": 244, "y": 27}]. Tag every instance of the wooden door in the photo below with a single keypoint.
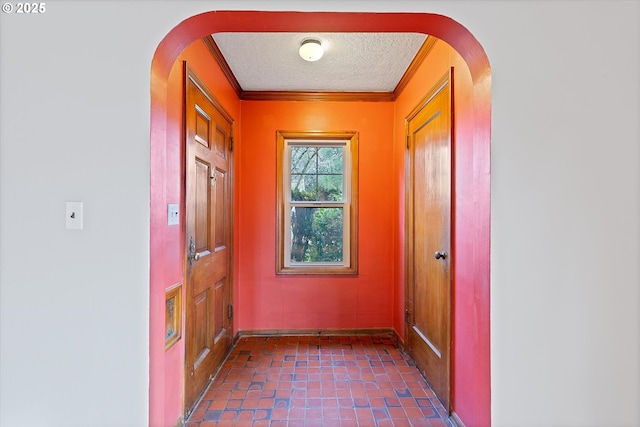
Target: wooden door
[
  {"x": 428, "y": 293},
  {"x": 208, "y": 329}
]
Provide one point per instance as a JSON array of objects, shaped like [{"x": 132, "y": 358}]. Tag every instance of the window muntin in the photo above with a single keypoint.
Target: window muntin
[
  {"x": 317, "y": 189},
  {"x": 317, "y": 171}
]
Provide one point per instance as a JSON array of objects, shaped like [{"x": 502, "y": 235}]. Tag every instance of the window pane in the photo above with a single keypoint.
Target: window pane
[
  {"x": 304, "y": 160},
  {"x": 316, "y": 173},
  {"x": 330, "y": 160},
  {"x": 304, "y": 188},
  {"x": 316, "y": 234},
  {"x": 330, "y": 187}
]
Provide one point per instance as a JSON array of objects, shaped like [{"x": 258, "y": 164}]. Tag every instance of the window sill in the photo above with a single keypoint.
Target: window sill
[{"x": 317, "y": 271}]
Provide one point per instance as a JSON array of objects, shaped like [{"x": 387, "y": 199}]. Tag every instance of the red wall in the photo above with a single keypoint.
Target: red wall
[
  {"x": 471, "y": 394},
  {"x": 167, "y": 242},
  {"x": 268, "y": 301}
]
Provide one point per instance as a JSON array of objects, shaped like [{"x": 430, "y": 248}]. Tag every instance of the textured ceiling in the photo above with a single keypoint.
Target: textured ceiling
[{"x": 352, "y": 62}]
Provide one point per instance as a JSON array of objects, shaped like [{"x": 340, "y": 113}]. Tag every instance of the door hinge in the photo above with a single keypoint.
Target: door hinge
[
  {"x": 406, "y": 315},
  {"x": 230, "y": 311},
  {"x": 231, "y": 144},
  {"x": 407, "y": 140}
]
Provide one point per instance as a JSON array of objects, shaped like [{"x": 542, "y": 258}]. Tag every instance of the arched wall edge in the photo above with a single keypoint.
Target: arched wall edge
[{"x": 203, "y": 24}]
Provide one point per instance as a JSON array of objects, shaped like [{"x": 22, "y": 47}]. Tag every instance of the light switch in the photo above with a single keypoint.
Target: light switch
[
  {"x": 74, "y": 216},
  {"x": 173, "y": 214}
]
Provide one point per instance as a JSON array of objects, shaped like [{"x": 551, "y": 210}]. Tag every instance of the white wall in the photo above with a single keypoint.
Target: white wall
[
  {"x": 74, "y": 125},
  {"x": 565, "y": 213}
]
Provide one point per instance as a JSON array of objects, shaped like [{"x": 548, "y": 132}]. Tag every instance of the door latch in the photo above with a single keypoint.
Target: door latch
[{"x": 193, "y": 255}]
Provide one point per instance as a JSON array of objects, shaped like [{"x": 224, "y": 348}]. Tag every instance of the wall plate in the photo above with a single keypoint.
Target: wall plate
[
  {"x": 173, "y": 214},
  {"x": 74, "y": 215}
]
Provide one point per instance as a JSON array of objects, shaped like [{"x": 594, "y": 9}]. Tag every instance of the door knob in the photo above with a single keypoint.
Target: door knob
[
  {"x": 193, "y": 255},
  {"x": 440, "y": 255}
]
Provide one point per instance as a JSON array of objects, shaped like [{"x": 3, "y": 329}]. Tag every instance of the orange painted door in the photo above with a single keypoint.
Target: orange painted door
[
  {"x": 208, "y": 330},
  {"x": 429, "y": 236}
]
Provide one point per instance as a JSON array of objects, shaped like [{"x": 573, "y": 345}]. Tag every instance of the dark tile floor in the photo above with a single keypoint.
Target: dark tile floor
[{"x": 318, "y": 381}]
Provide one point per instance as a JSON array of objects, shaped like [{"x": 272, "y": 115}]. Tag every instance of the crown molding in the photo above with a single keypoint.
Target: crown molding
[
  {"x": 412, "y": 69},
  {"x": 316, "y": 96},
  {"x": 420, "y": 57},
  {"x": 219, "y": 57}
]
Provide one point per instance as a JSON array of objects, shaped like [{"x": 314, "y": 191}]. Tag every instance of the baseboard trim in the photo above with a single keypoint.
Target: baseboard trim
[
  {"x": 317, "y": 332},
  {"x": 456, "y": 420},
  {"x": 180, "y": 422},
  {"x": 398, "y": 341}
]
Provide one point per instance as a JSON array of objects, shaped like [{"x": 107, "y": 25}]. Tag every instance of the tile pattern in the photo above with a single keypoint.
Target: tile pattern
[{"x": 318, "y": 381}]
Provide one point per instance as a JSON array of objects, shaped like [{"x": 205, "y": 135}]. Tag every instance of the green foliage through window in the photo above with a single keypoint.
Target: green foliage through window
[
  {"x": 317, "y": 233},
  {"x": 316, "y": 173}
]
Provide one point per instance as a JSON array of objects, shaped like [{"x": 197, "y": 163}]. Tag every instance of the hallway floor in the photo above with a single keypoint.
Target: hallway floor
[{"x": 318, "y": 381}]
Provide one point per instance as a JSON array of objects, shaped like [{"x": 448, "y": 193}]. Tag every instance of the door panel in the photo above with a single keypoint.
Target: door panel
[
  {"x": 428, "y": 236},
  {"x": 221, "y": 142},
  {"x": 201, "y": 205},
  {"x": 207, "y": 227},
  {"x": 202, "y": 303},
  {"x": 220, "y": 203},
  {"x": 203, "y": 123},
  {"x": 218, "y": 324}
]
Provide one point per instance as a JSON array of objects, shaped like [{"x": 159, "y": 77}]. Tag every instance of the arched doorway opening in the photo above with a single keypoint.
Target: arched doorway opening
[{"x": 471, "y": 382}]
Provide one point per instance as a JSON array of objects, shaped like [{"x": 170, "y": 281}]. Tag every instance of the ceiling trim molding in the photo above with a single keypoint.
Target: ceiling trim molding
[
  {"x": 219, "y": 57},
  {"x": 412, "y": 69},
  {"x": 316, "y": 96},
  {"x": 421, "y": 55}
]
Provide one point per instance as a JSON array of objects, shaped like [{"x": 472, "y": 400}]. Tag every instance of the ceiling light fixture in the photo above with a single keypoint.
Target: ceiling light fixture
[{"x": 311, "y": 50}]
